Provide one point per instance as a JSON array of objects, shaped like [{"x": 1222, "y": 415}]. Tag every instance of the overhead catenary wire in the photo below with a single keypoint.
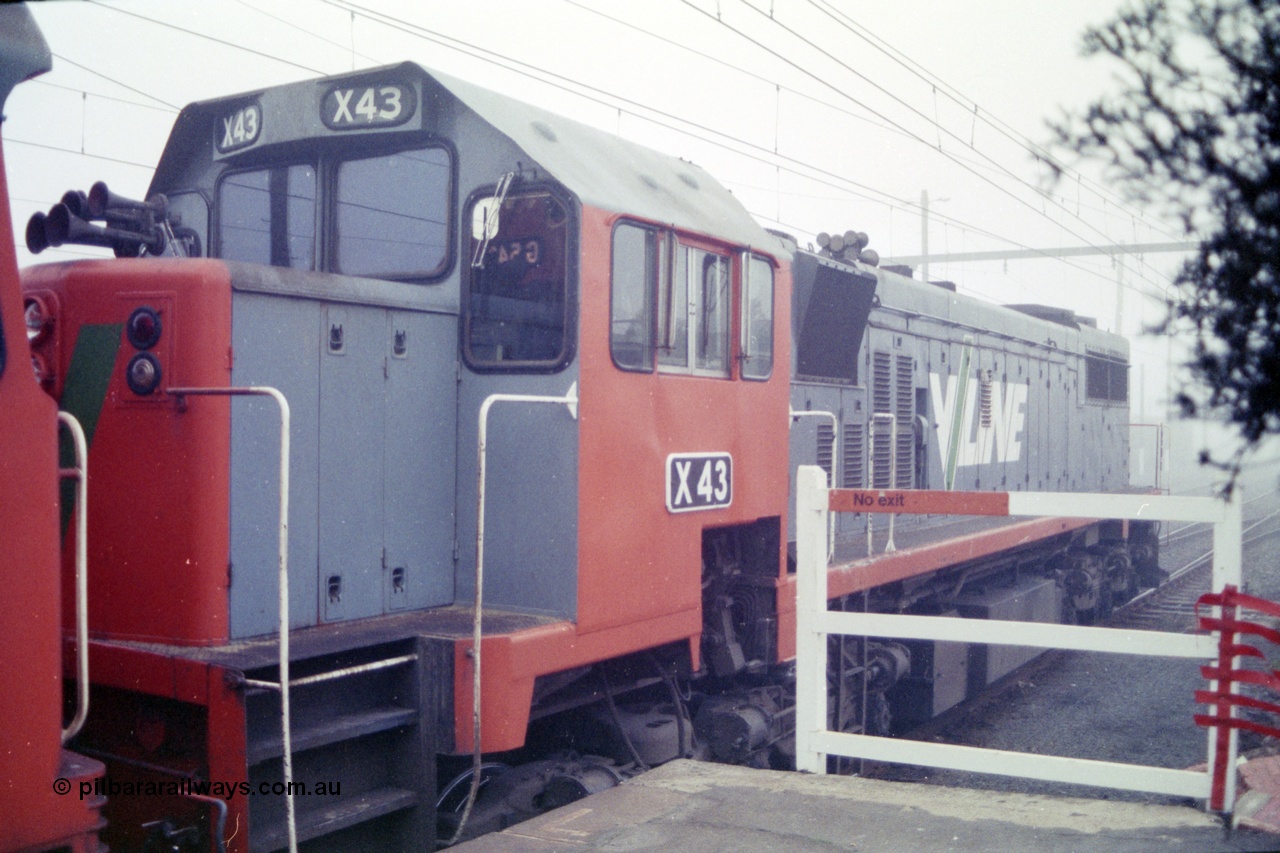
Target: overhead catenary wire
[
  {"x": 980, "y": 113},
  {"x": 263, "y": 54},
  {"x": 80, "y": 90},
  {"x": 119, "y": 83},
  {"x": 644, "y": 112},
  {"x": 891, "y": 201},
  {"x": 344, "y": 47},
  {"x": 845, "y": 94},
  {"x": 604, "y": 97},
  {"x": 60, "y": 150}
]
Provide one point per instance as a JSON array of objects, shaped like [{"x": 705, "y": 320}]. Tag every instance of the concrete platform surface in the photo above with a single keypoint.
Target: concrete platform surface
[{"x": 699, "y": 808}]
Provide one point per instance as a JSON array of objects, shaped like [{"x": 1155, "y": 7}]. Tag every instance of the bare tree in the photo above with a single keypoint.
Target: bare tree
[{"x": 1195, "y": 132}]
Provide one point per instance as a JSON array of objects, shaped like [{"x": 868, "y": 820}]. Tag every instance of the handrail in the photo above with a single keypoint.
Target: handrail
[
  {"x": 835, "y": 454},
  {"x": 571, "y": 400},
  {"x": 180, "y": 394},
  {"x": 333, "y": 674},
  {"x": 880, "y": 417},
  {"x": 80, "y": 473}
]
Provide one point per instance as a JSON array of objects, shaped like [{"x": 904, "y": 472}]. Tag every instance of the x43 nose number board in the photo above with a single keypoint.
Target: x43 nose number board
[{"x": 699, "y": 481}]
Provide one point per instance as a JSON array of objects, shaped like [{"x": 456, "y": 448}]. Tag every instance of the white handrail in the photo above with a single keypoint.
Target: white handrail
[
  {"x": 334, "y": 674},
  {"x": 835, "y": 454},
  {"x": 571, "y": 400},
  {"x": 893, "y": 470},
  {"x": 286, "y": 733},
  {"x": 80, "y": 473}
]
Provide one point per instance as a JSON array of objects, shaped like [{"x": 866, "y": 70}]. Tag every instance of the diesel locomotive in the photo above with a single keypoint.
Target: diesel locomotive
[{"x": 542, "y": 391}]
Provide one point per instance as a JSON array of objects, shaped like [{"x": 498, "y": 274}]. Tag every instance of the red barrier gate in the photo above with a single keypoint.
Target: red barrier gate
[{"x": 1225, "y": 678}]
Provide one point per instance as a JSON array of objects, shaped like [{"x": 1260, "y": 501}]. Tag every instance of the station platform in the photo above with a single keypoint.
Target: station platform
[{"x": 700, "y": 807}]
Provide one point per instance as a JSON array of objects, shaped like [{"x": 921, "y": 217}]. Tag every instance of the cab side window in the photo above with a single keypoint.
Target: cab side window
[
  {"x": 635, "y": 269},
  {"x": 673, "y": 313},
  {"x": 709, "y": 312},
  {"x": 672, "y": 307},
  {"x": 757, "y": 319},
  {"x": 516, "y": 301},
  {"x": 694, "y": 307}
]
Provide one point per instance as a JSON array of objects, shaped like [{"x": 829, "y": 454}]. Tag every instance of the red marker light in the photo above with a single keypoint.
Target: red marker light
[{"x": 143, "y": 328}]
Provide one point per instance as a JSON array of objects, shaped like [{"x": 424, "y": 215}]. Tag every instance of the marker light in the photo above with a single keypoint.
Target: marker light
[
  {"x": 41, "y": 367},
  {"x": 143, "y": 328},
  {"x": 143, "y": 374},
  {"x": 37, "y": 319}
]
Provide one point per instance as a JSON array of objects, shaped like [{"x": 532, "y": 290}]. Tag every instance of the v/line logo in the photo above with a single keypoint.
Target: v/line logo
[{"x": 987, "y": 430}]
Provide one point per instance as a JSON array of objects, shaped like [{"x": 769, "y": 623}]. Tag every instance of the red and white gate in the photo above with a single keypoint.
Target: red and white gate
[{"x": 814, "y": 741}]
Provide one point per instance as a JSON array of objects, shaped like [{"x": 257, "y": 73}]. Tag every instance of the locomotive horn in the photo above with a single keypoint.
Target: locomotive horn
[
  {"x": 63, "y": 226},
  {"x": 102, "y": 200},
  {"x": 77, "y": 202},
  {"x": 37, "y": 241}
]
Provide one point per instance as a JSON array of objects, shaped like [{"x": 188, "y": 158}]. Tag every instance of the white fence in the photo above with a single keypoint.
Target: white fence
[{"x": 814, "y": 740}]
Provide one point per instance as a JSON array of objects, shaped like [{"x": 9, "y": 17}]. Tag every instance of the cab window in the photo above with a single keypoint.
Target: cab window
[
  {"x": 517, "y": 282},
  {"x": 694, "y": 307},
  {"x": 757, "y": 319},
  {"x": 392, "y": 215},
  {"x": 709, "y": 311},
  {"x": 384, "y": 216},
  {"x": 673, "y": 313},
  {"x": 635, "y": 267},
  {"x": 1106, "y": 379},
  {"x": 268, "y": 216},
  {"x": 673, "y": 306}
]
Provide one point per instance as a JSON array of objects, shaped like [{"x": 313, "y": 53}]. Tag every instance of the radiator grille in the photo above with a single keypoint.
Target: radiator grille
[
  {"x": 881, "y": 404},
  {"x": 855, "y": 466},
  {"x": 903, "y": 448},
  {"x": 882, "y": 392}
]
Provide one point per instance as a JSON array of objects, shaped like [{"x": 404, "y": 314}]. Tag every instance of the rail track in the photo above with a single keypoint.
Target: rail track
[{"x": 1171, "y": 606}]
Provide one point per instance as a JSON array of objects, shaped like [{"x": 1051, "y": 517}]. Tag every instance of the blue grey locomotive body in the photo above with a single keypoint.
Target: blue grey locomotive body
[{"x": 903, "y": 384}]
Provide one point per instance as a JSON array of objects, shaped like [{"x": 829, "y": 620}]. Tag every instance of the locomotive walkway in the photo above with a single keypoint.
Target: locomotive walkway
[{"x": 696, "y": 807}]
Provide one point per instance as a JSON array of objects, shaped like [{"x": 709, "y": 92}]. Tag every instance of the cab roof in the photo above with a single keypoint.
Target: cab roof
[
  {"x": 602, "y": 170},
  {"x": 611, "y": 173}
]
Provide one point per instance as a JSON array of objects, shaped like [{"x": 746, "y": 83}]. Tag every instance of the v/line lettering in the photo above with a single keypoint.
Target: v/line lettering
[{"x": 993, "y": 436}]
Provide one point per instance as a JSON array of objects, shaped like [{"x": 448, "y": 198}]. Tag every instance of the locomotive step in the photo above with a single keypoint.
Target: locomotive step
[
  {"x": 334, "y": 817},
  {"x": 324, "y": 732}
]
